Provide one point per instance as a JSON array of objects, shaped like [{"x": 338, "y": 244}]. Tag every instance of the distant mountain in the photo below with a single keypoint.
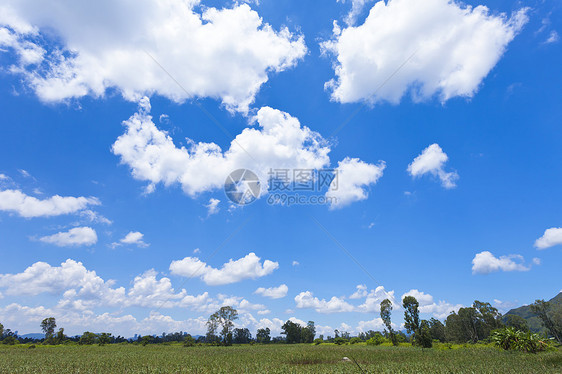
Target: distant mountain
[
  {"x": 535, "y": 324},
  {"x": 33, "y": 336}
]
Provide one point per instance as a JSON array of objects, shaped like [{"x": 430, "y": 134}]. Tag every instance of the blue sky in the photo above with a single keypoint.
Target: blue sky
[{"x": 449, "y": 172}]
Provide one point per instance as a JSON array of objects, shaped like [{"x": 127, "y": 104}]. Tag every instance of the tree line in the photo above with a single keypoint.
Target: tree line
[{"x": 479, "y": 322}]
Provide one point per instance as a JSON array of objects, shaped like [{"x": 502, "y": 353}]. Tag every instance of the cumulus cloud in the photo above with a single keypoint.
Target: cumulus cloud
[
  {"x": 432, "y": 161},
  {"x": 360, "y": 293},
  {"x": 278, "y": 141},
  {"x": 485, "y": 262},
  {"x": 227, "y": 53},
  {"x": 247, "y": 267},
  {"x": 273, "y": 292},
  {"x": 356, "y": 9},
  {"x": 550, "y": 238},
  {"x": 439, "y": 46},
  {"x": 439, "y": 309},
  {"x": 74, "y": 237},
  {"x": 15, "y": 201},
  {"x": 374, "y": 298},
  {"x": 213, "y": 206},
  {"x": 334, "y": 305},
  {"x": 353, "y": 178},
  {"x": 132, "y": 238}
]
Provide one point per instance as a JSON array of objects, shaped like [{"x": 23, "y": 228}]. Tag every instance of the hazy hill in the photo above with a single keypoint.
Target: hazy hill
[{"x": 534, "y": 322}]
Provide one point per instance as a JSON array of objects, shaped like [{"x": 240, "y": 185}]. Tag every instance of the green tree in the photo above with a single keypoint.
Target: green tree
[
  {"x": 242, "y": 336},
  {"x": 104, "y": 338},
  {"x": 423, "y": 339},
  {"x": 293, "y": 332},
  {"x": 552, "y": 319},
  {"x": 411, "y": 316},
  {"x": 263, "y": 335},
  {"x": 48, "y": 326},
  {"x": 386, "y": 311},
  {"x": 223, "y": 318},
  {"x": 60, "y": 337},
  {"x": 437, "y": 329},
  {"x": 517, "y": 322},
  {"x": 1, "y": 331},
  {"x": 188, "y": 341},
  {"x": 308, "y": 333},
  {"x": 488, "y": 319},
  {"x": 88, "y": 338}
]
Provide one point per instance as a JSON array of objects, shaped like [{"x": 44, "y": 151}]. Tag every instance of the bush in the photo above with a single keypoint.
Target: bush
[
  {"x": 188, "y": 341},
  {"x": 10, "y": 340},
  {"x": 514, "y": 340},
  {"x": 378, "y": 339},
  {"x": 318, "y": 341},
  {"x": 340, "y": 341},
  {"x": 355, "y": 340}
]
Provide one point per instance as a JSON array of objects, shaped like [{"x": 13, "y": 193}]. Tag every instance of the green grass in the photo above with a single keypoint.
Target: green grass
[{"x": 272, "y": 359}]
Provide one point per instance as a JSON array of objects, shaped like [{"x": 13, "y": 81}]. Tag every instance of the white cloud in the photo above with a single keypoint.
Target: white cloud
[
  {"x": 423, "y": 298},
  {"x": 374, "y": 298},
  {"x": 439, "y": 310},
  {"x": 360, "y": 293},
  {"x": 504, "y": 306},
  {"x": 225, "y": 53},
  {"x": 132, "y": 238},
  {"x": 273, "y": 292},
  {"x": 550, "y": 238},
  {"x": 356, "y": 9},
  {"x": 248, "y": 267},
  {"x": 485, "y": 262},
  {"x": 95, "y": 217},
  {"x": 454, "y": 48},
  {"x": 295, "y": 263},
  {"x": 278, "y": 142},
  {"x": 77, "y": 236},
  {"x": 432, "y": 161},
  {"x": 334, "y": 305},
  {"x": 353, "y": 178},
  {"x": 553, "y": 37},
  {"x": 15, "y": 201},
  {"x": 213, "y": 206}
]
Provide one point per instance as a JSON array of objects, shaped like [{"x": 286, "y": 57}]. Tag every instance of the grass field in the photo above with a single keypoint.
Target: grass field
[{"x": 271, "y": 359}]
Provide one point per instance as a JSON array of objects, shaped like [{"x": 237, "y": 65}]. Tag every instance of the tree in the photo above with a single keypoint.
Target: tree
[
  {"x": 552, "y": 320},
  {"x": 488, "y": 319},
  {"x": 1, "y": 330},
  {"x": 411, "y": 315},
  {"x": 242, "y": 336},
  {"x": 293, "y": 332},
  {"x": 48, "y": 326},
  {"x": 88, "y": 338},
  {"x": 263, "y": 335},
  {"x": 188, "y": 341},
  {"x": 224, "y": 318},
  {"x": 308, "y": 333},
  {"x": 104, "y": 338},
  {"x": 437, "y": 329},
  {"x": 517, "y": 322},
  {"x": 423, "y": 339},
  {"x": 60, "y": 337},
  {"x": 386, "y": 310}
]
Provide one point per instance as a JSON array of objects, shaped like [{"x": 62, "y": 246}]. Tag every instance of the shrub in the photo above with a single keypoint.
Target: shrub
[
  {"x": 355, "y": 340},
  {"x": 188, "y": 341},
  {"x": 511, "y": 339},
  {"x": 10, "y": 340},
  {"x": 318, "y": 341},
  {"x": 340, "y": 340},
  {"x": 378, "y": 339}
]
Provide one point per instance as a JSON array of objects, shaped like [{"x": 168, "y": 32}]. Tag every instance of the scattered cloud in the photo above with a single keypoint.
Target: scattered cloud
[
  {"x": 94, "y": 217},
  {"x": 273, "y": 292},
  {"x": 213, "y": 206},
  {"x": 550, "y": 238},
  {"x": 226, "y": 53},
  {"x": 353, "y": 178},
  {"x": 295, "y": 263},
  {"x": 432, "y": 161},
  {"x": 439, "y": 310},
  {"x": 441, "y": 48},
  {"x": 485, "y": 262},
  {"x": 357, "y": 7},
  {"x": 132, "y": 238},
  {"x": 15, "y": 201},
  {"x": 75, "y": 237},
  {"x": 248, "y": 267},
  {"x": 553, "y": 37},
  {"x": 334, "y": 305}
]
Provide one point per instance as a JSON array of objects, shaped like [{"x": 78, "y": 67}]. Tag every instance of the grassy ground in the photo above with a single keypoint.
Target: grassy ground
[{"x": 271, "y": 359}]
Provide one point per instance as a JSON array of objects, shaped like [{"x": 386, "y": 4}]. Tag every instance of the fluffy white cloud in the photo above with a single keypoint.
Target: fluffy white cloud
[
  {"x": 360, "y": 293},
  {"x": 550, "y": 238},
  {"x": 278, "y": 142},
  {"x": 439, "y": 310},
  {"x": 132, "y": 238},
  {"x": 353, "y": 178},
  {"x": 356, "y": 9},
  {"x": 77, "y": 236},
  {"x": 485, "y": 262},
  {"x": 334, "y": 305},
  {"x": 220, "y": 53},
  {"x": 273, "y": 292},
  {"x": 213, "y": 206},
  {"x": 16, "y": 201},
  {"x": 454, "y": 47},
  {"x": 432, "y": 161},
  {"x": 374, "y": 298},
  {"x": 247, "y": 267}
]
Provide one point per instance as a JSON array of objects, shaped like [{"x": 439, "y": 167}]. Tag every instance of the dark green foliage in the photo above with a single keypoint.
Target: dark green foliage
[
  {"x": 517, "y": 322},
  {"x": 318, "y": 341},
  {"x": 242, "y": 336},
  {"x": 533, "y": 321},
  {"x": 423, "y": 338},
  {"x": 551, "y": 317},
  {"x": 377, "y": 339},
  {"x": 263, "y": 335},
  {"x": 223, "y": 318},
  {"x": 472, "y": 324},
  {"x": 411, "y": 314},
  {"x": 386, "y": 311},
  {"x": 48, "y": 326},
  {"x": 188, "y": 341},
  {"x": 437, "y": 329},
  {"x": 88, "y": 338},
  {"x": 339, "y": 340},
  {"x": 104, "y": 338},
  {"x": 355, "y": 340},
  {"x": 511, "y": 339},
  {"x": 10, "y": 340},
  {"x": 292, "y": 331},
  {"x": 308, "y": 333}
]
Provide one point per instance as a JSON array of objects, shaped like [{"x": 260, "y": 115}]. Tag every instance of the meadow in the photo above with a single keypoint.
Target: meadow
[{"x": 278, "y": 358}]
